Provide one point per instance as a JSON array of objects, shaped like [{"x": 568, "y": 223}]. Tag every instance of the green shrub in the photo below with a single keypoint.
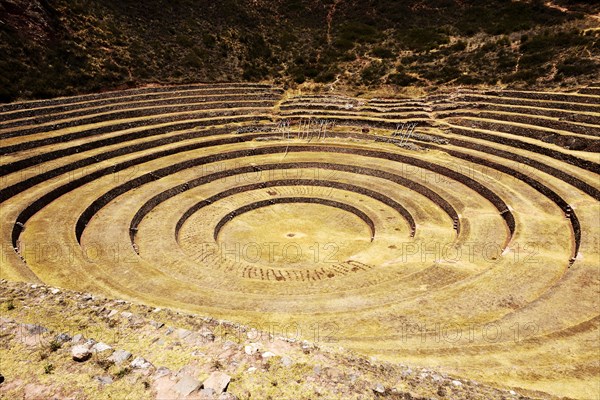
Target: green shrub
[
  {"x": 528, "y": 76},
  {"x": 401, "y": 79},
  {"x": 422, "y": 39},
  {"x": 209, "y": 40},
  {"x": 535, "y": 60},
  {"x": 192, "y": 60},
  {"x": 383, "y": 52},
  {"x": 184, "y": 41},
  {"x": 469, "y": 79},
  {"x": 503, "y": 41},
  {"x": 359, "y": 32},
  {"x": 550, "y": 42},
  {"x": 506, "y": 61},
  {"x": 348, "y": 56},
  {"x": 343, "y": 44},
  {"x": 54, "y": 346},
  {"x": 442, "y": 75},
  {"x": 122, "y": 372},
  {"x": 299, "y": 78},
  {"x": 461, "y": 45},
  {"x": 257, "y": 47},
  {"x": 577, "y": 66},
  {"x": 254, "y": 72},
  {"x": 373, "y": 73},
  {"x": 105, "y": 364}
]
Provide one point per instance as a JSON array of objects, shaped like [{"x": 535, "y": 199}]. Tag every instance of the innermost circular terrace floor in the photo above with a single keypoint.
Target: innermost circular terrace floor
[{"x": 293, "y": 235}]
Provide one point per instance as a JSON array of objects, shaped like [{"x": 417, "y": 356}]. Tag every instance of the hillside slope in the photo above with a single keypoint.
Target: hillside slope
[{"x": 58, "y": 47}]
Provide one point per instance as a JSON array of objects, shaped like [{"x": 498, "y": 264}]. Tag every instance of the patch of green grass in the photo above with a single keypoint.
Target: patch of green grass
[
  {"x": 123, "y": 372},
  {"x": 216, "y": 364},
  {"x": 54, "y": 346},
  {"x": 48, "y": 369},
  {"x": 105, "y": 364}
]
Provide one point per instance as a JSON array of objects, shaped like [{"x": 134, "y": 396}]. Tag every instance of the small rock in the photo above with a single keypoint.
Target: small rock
[
  {"x": 317, "y": 370},
  {"x": 156, "y": 310},
  {"x": 169, "y": 331},
  {"x": 286, "y": 361},
  {"x": 379, "y": 388},
  {"x": 305, "y": 347},
  {"x": 34, "y": 286},
  {"x": 253, "y": 334},
  {"x": 126, "y": 315},
  {"x": 183, "y": 333},
  {"x": 81, "y": 352},
  {"x": 104, "y": 380},
  {"x": 119, "y": 356},
  {"x": 55, "y": 291},
  {"x": 87, "y": 297},
  {"x": 457, "y": 383},
  {"x": 207, "y": 393},
  {"x": 35, "y": 329},
  {"x": 161, "y": 371},
  {"x": 62, "y": 338},
  {"x": 252, "y": 348},
  {"x": 100, "y": 347},
  {"x": 513, "y": 393},
  {"x": 112, "y": 313},
  {"x": 267, "y": 354},
  {"x": 77, "y": 338},
  {"x": 207, "y": 334},
  {"x": 140, "y": 363},
  {"x": 137, "y": 321},
  {"x": 156, "y": 325},
  {"x": 251, "y": 370},
  {"x": 217, "y": 381},
  {"x": 186, "y": 385}
]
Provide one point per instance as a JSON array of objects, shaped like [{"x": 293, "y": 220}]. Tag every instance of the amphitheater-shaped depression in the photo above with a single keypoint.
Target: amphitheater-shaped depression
[{"x": 470, "y": 216}]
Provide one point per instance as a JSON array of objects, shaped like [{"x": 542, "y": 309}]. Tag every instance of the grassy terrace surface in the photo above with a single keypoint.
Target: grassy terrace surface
[{"x": 457, "y": 231}]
